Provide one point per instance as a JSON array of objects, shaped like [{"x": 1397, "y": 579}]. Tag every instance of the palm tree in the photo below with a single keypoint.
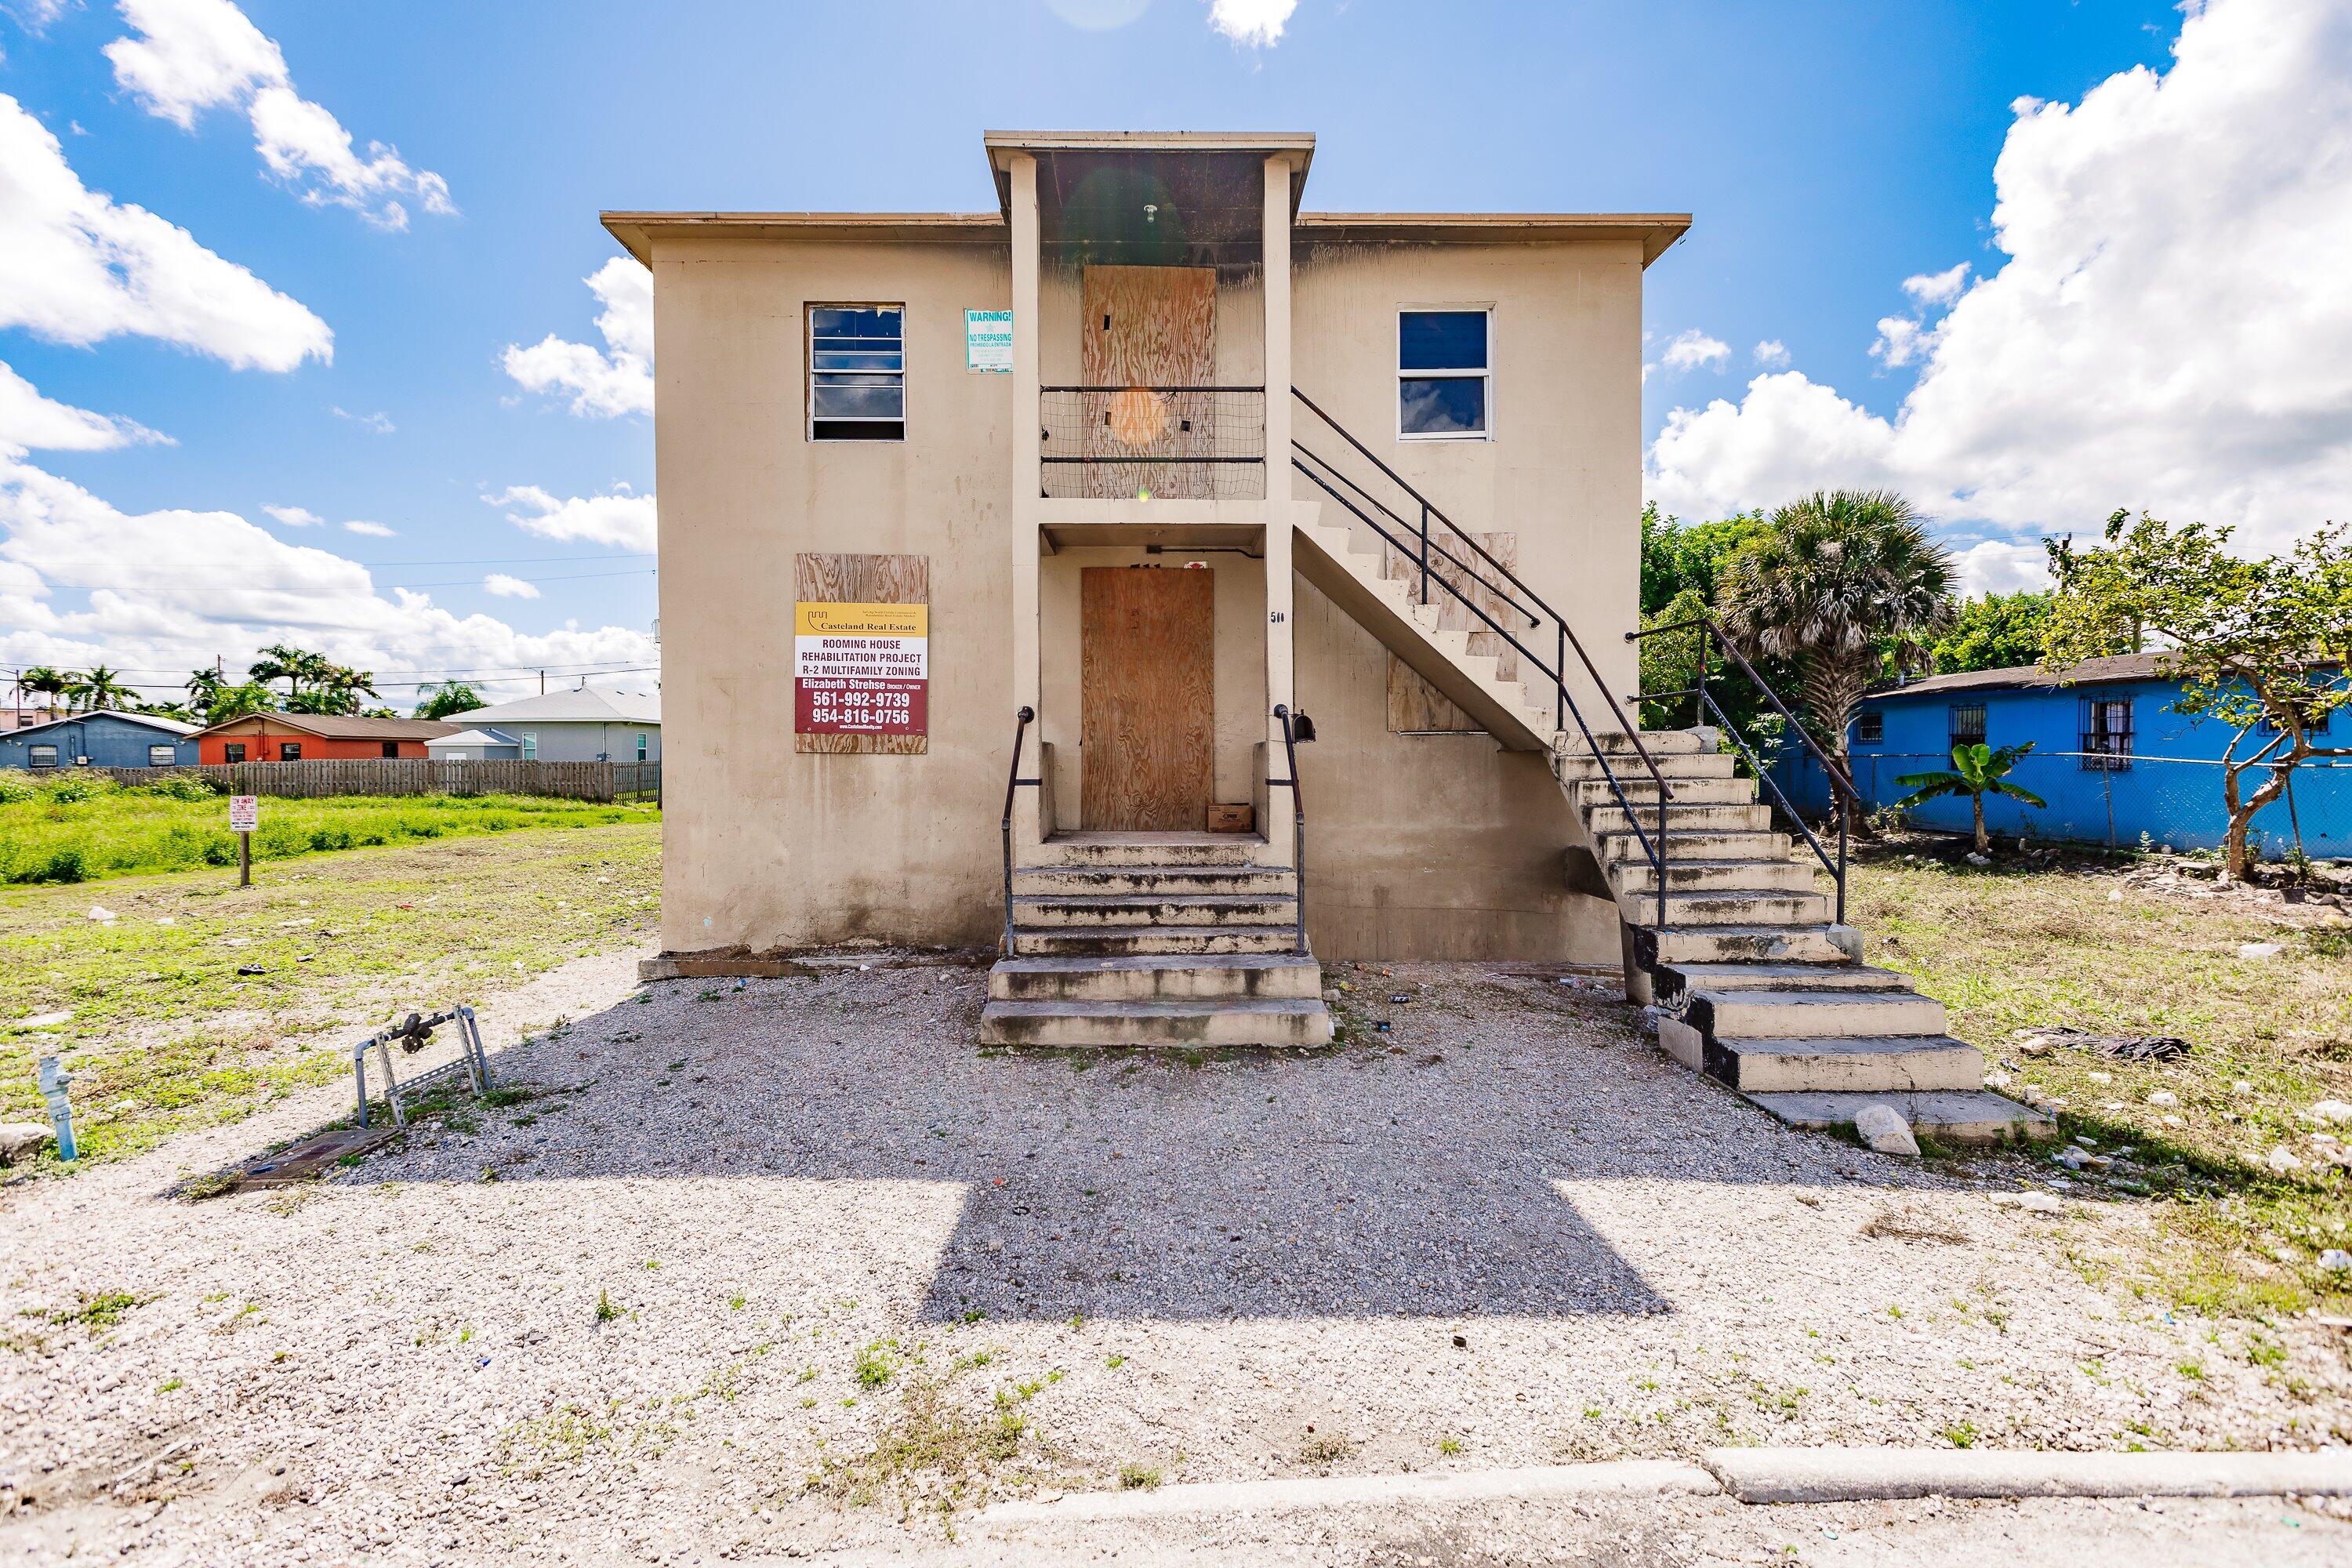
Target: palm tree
[
  {"x": 100, "y": 688},
  {"x": 46, "y": 680},
  {"x": 1845, "y": 581},
  {"x": 1977, "y": 771},
  {"x": 297, "y": 666},
  {"x": 201, "y": 686}
]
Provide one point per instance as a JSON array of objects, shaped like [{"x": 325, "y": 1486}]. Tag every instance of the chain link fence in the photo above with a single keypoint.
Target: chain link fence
[{"x": 2099, "y": 798}]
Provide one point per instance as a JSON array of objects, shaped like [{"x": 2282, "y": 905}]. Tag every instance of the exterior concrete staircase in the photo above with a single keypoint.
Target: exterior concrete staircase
[
  {"x": 1155, "y": 939},
  {"x": 1760, "y": 990}
]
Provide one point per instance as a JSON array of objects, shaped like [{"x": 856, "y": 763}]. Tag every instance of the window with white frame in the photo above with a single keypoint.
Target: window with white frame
[
  {"x": 857, "y": 373},
  {"x": 43, "y": 756},
  {"x": 530, "y": 739},
  {"x": 642, "y": 745},
  {"x": 1445, "y": 375},
  {"x": 162, "y": 756}
]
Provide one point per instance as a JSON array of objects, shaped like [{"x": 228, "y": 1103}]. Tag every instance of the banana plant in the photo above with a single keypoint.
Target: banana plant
[{"x": 1977, "y": 771}]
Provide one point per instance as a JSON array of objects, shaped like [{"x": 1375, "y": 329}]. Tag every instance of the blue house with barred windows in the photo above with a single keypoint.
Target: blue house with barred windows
[
  {"x": 102, "y": 738},
  {"x": 2111, "y": 757}
]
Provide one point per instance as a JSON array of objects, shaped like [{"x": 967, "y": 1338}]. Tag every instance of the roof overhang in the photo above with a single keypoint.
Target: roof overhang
[
  {"x": 1296, "y": 147},
  {"x": 637, "y": 231},
  {"x": 1653, "y": 231}
]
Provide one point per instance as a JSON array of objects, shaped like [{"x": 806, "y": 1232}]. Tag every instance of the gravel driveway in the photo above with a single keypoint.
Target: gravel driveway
[{"x": 793, "y": 1265}]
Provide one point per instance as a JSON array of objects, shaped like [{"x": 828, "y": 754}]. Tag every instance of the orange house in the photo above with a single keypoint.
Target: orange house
[{"x": 309, "y": 737}]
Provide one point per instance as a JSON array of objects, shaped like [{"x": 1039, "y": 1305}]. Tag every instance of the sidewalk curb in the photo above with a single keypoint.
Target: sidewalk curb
[
  {"x": 1628, "y": 1477},
  {"x": 1747, "y": 1475},
  {"x": 1853, "y": 1474}
]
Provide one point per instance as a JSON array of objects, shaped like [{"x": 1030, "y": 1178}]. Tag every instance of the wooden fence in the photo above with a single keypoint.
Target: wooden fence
[{"x": 413, "y": 775}]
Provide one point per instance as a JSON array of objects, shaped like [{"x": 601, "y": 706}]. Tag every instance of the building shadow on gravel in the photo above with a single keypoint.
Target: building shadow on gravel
[{"x": 1415, "y": 1176}]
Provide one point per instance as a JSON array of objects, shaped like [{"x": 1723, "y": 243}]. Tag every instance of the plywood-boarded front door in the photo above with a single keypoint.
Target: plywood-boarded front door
[
  {"x": 1147, "y": 685},
  {"x": 1146, "y": 327}
]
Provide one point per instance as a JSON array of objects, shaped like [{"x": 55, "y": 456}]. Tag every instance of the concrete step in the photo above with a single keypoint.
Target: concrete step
[
  {"x": 1980, "y": 1117},
  {"x": 1036, "y": 909},
  {"x": 1284, "y": 1022},
  {"x": 1674, "y": 765},
  {"x": 1642, "y": 790},
  {"x": 1151, "y": 849},
  {"x": 1679, "y": 945},
  {"x": 1712, "y": 875},
  {"x": 1674, "y": 979},
  {"x": 1157, "y": 977},
  {"x": 1120, "y": 942},
  {"x": 1657, "y": 742},
  {"x": 1066, "y": 880},
  {"x": 1847, "y": 1064},
  {"x": 1681, "y": 818},
  {"x": 1703, "y": 844},
  {"x": 1727, "y": 908},
  {"x": 1830, "y": 1014}
]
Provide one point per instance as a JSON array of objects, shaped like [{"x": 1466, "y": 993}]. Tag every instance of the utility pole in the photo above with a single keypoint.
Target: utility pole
[{"x": 542, "y": 683}]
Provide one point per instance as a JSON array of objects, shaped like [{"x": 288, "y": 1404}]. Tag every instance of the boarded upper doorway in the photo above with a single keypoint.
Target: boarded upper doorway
[
  {"x": 1145, "y": 330},
  {"x": 1147, "y": 698}
]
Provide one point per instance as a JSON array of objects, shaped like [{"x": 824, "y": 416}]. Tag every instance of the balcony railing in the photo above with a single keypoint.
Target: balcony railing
[{"x": 1114, "y": 443}]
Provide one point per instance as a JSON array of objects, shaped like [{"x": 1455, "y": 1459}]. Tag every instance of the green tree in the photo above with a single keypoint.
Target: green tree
[
  {"x": 236, "y": 702},
  {"x": 201, "y": 686},
  {"x": 2259, "y": 646},
  {"x": 450, "y": 696},
  {"x": 2000, "y": 631},
  {"x": 298, "y": 667},
  {"x": 1977, "y": 771},
  {"x": 335, "y": 689},
  {"x": 1845, "y": 583},
  {"x": 1678, "y": 556},
  {"x": 100, "y": 688},
  {"x": 46, "y": 681}
]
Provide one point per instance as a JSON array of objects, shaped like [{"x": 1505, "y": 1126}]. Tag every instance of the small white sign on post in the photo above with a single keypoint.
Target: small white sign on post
[
  {"x": 244, "y": 812},
  {"x": 987, "y": 341}
]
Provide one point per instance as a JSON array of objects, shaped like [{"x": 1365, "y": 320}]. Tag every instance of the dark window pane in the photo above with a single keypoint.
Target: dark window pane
[
  {"x": 859, "y": 430},
  {"x": 829, "y": 360},
  {"x": 1442, "y": 339},
  {"x": 845, "y": 322},
  {"x": 1442, "y": 405},
  {"x": 860, "y": 402}
]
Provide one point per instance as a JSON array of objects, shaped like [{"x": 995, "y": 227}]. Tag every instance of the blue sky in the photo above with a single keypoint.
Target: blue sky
[{"x": 1828, "y": 153}]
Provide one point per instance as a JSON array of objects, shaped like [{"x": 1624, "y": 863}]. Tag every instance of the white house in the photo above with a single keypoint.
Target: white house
[{"x": 585, "y": 724}]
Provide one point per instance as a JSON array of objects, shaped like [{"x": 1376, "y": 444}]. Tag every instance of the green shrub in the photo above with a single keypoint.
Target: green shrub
[
  {"x": 74, "y": 790},
  {"x": 181, "y": 786},
  {"x": 68, "y": 865},
  {"x": 16, "y": 791}
]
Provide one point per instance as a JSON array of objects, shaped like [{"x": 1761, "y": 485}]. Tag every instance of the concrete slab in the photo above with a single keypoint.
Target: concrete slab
[
  {"x": 1849, "y": 1475},
  {"x": 1625, "y": 1478}
]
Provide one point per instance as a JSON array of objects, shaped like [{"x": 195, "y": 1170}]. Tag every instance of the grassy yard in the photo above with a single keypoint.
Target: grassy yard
[
  {"x": 2011, "y": 949},
  {"x": 166, "y": 1033},
  {"x": 81, "y": 829}
]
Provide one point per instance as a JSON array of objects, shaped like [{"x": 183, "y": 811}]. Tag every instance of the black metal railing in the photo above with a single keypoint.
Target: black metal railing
[
  {"x": 1297, "y": 821},
  {"x": 1434, "y": 542},
  {"x": 1013, "y": 780},
  {"x": 1844, "y": 797},
  {"x": 1112, "y": 443}
]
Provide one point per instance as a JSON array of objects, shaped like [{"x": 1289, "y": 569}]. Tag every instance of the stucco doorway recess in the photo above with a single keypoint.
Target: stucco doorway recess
[{"x": 1146, "y": 684}]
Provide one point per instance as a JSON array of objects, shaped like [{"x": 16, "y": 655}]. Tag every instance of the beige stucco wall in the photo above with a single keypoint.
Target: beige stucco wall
[
  {"x": 1443, "y": 846},
  {"x": 1418, "y": 846},
  {"x": 764, "y": 847}
]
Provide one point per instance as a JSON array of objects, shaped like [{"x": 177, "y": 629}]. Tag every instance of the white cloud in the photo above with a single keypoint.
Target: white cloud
[
  {"x": 1257, "y": 22},
  {"x": 620, "y": 518},
  {"x": 168, "y": 590},
  {"x": 1690, "y": 350},
  {"x": 1998, "y": 566},
  {"x": 2169, "y": 329},
  {"x": 1771, "y": 353},
  {"x": 28, "y": 420},
  {"x": 1938, "y": 287},
  {"x": 33, "y": 15},
  {"x": 603, "y": 383},
  {"x": 1901, "y": 340},
  {"x": 195, "y": 55},
  {"x": 374, "y": 423},
  {"x": 368, "y": 530},
  {"x": 77, "y": 267},
  {"x": 295, "y": 516},
  {"x": 506, "y": 587}
]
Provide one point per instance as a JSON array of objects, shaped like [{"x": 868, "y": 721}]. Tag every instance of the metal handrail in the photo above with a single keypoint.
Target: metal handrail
[
  {"x": 1142, "y": 388},
  {"x": 1654, "y": 853},
  {"x": 1026, "y": 715},
  {"x": 1297, "y": 821},
  {"x": 1841, "y": 781},
  {"x": 1427, "y": 543}
]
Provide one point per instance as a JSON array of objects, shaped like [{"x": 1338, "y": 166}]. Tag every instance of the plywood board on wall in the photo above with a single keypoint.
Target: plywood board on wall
[
  {"x": 1415, "y": 706},
  {"x": 1146, "y": 327},
  {"x": 848, "y": 580},
  {"x": 1147, "y": 698}
]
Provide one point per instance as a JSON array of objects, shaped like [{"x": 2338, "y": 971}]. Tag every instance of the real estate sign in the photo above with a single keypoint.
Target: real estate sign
[{"x": 861, "y": 653}]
